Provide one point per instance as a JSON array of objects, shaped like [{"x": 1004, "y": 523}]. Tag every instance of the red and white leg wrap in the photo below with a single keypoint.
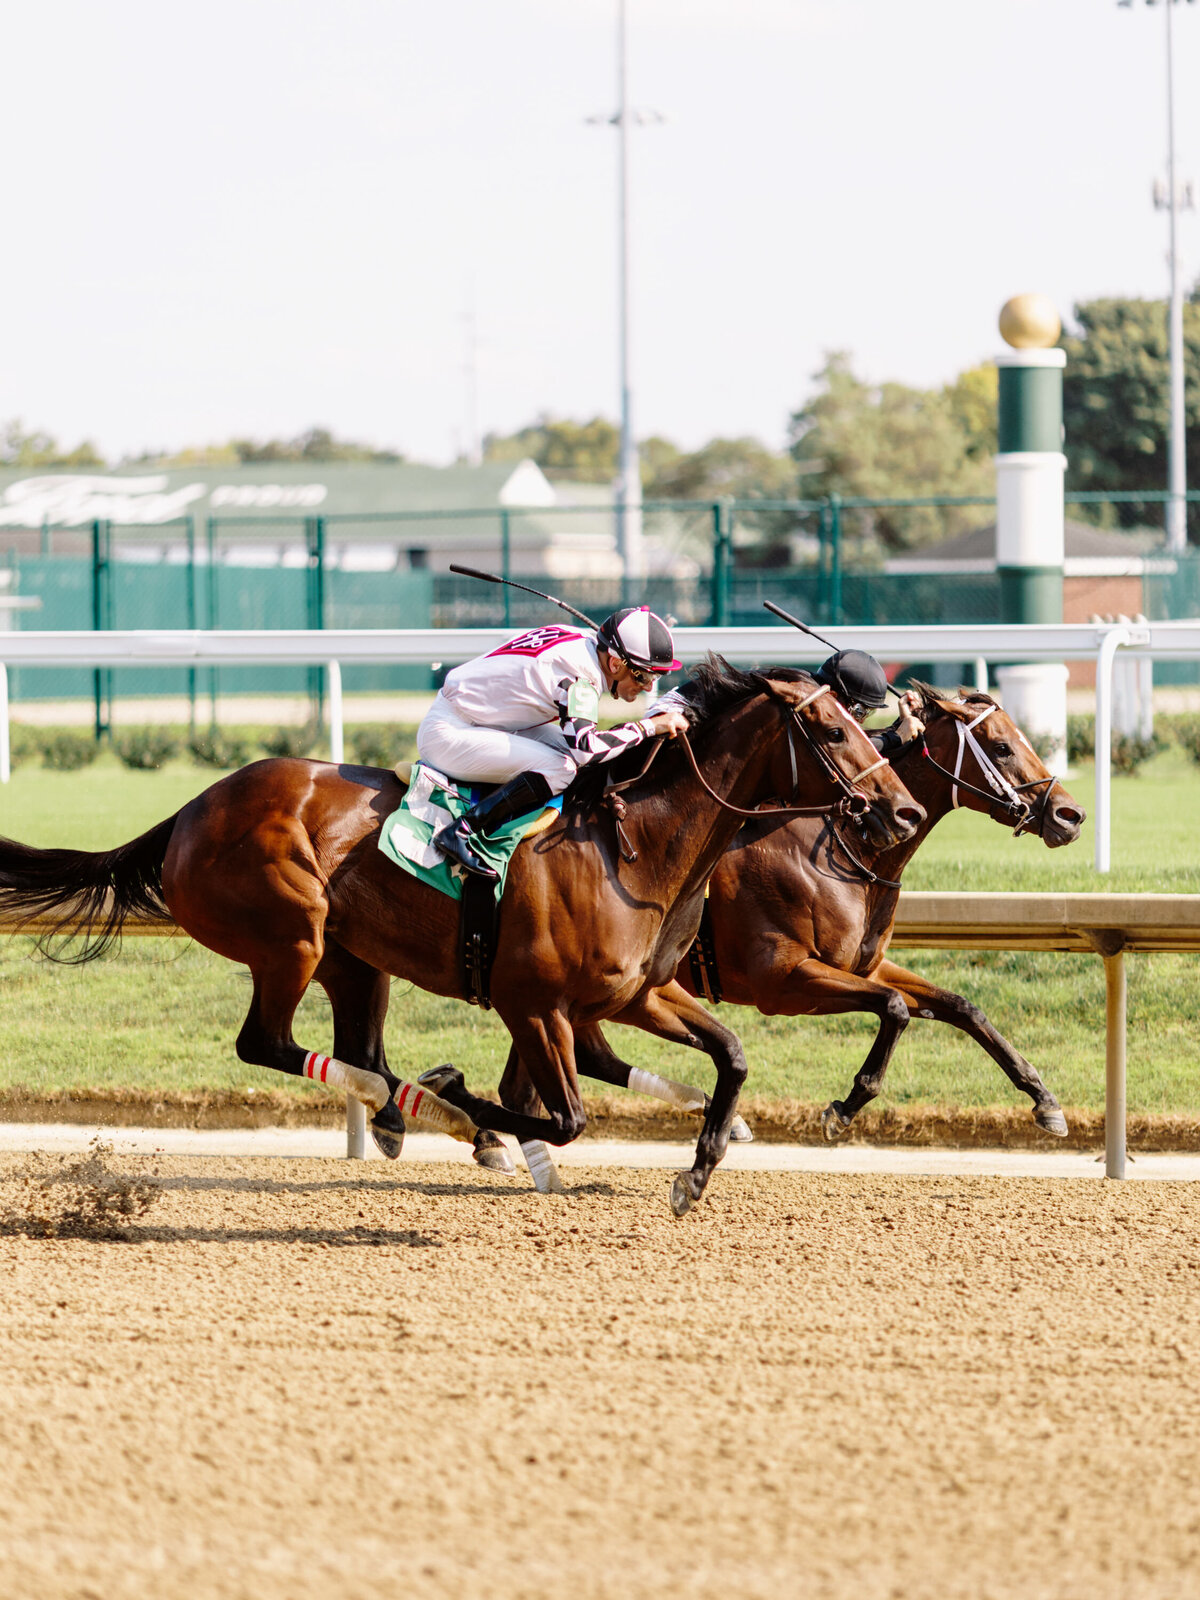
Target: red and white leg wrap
[
  {"x": 419, "y": 1106},
  {"x": 369, "y": 1087}
]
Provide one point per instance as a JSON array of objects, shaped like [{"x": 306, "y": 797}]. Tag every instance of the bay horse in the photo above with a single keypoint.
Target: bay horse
[
  {"x": 277, "y": 867},
  {"x": 800, "y": 924}
]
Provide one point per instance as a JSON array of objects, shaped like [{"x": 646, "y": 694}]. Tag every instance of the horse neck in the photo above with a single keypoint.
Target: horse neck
[
  {"x": 682, "y": 823},
  {"x": 930, "y": 789}
]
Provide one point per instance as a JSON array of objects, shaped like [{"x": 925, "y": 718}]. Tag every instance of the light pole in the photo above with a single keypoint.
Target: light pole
[
  {"x": 1171, "y": 200},
  {"x": 629, "y": 476}
]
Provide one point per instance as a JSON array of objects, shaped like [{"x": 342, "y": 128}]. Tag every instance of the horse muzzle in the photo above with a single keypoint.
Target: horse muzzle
[{"x": 885, "y": 822}]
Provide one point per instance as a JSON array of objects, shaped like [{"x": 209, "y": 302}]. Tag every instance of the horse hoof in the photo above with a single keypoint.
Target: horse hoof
[
  {"x": 387, "y": 1142},
  {"x": 492, "y": 1153},
  {"x": 683, "y": 1193},
  {"x": 387, "y": 1130},
  {"x": 439, "y": 1079},
  {"x": 1052, "y": 1120},
  {"x": 740, "y": 1132},
  {"x": 833, "y": 1124}
]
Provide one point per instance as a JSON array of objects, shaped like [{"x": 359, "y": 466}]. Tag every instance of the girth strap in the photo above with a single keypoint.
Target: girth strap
[
  {"x": 702, "y": 958},
  {"x": 478, "y": 927}
]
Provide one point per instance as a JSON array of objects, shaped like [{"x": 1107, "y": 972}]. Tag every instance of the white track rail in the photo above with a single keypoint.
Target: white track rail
[{"x": 332, "y": 648}]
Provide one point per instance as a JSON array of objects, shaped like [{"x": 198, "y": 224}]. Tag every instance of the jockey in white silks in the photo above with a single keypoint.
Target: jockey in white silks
[{"x": 525, "y": 717}]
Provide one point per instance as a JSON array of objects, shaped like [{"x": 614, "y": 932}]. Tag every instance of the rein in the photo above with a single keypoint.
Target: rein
[{"x": 852, "y": 803}]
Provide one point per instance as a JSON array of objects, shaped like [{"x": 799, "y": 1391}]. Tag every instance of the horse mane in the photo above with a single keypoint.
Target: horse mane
[
  {"x": 713, "y": 686},
  {"x": 931, "y": 696}
]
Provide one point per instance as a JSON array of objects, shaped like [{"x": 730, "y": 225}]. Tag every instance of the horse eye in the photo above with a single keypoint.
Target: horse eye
[
  {"x": 837, "y": 736},
  {"x": 1002, "y": 749}
]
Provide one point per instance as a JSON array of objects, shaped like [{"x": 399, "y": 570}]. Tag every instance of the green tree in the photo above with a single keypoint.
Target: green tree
[
  {"x": 743, "y": 468},
  {"x": 585, "y": 451},
  {"x": 39, "y": 449},
  {"x": 889, "y": 441},
  {"x": 314, "y": 444},
  {"x": 1116, "y": 397}
]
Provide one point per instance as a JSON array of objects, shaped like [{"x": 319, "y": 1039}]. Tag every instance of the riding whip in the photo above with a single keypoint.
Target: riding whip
[
  {"x": 492, "y": 577},
  {"x": 804, "y": 628}
]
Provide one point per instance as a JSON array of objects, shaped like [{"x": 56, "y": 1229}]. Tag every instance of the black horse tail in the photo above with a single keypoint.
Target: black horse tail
[{"x": 86, "y": 894}]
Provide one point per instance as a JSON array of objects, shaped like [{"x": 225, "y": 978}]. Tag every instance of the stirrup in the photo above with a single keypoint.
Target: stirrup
[{"x": 454, "y": 840}]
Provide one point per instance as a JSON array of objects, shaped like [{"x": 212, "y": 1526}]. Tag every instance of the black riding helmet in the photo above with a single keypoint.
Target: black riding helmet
[
  {"x": 857, "y": 679},
  {"x": 639, "y": 637}
]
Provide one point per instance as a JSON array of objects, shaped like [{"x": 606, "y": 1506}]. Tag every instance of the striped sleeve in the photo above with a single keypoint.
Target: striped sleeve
[{"x": 586, "y": 742}]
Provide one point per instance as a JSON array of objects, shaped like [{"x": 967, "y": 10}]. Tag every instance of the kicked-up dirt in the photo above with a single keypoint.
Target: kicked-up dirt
[{"x": 297, "y": 1379}]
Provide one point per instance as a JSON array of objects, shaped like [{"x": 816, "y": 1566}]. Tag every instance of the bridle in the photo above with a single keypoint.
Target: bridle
[
  {"x": 852, "y": 802},
  {"x": 1006, "y": 795}
]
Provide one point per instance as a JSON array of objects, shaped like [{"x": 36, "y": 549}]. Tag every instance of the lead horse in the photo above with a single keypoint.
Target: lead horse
[
  {"x": 799, "y": 922},
  {"x": 277, "y": 867}
]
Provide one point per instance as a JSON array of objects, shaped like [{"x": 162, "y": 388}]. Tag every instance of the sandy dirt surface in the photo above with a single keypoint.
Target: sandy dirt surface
[{"x": 298, "y": 1379}]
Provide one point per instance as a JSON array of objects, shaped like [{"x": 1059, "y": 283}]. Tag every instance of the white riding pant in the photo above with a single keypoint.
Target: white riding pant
[{"x": 462, "y": 749}]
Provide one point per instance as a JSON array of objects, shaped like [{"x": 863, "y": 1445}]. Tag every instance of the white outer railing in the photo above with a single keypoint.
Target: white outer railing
[{"x": 993, "y": 642}]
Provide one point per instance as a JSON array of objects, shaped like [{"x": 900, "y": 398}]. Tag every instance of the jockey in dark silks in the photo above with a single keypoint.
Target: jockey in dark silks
[{"x": 860, "y": 684}]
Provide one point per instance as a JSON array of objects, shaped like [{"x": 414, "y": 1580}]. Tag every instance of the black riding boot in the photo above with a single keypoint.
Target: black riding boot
[{"x": 525, "y": 792}]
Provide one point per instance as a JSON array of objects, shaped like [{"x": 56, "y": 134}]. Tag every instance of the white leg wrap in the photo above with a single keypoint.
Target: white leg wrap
[
  {"x": 675, "y": 1094},
  {"x": 424, "y": 1109},
  {"x": 369, "y": 1087},
  {"x": 541, "y": 1167}
]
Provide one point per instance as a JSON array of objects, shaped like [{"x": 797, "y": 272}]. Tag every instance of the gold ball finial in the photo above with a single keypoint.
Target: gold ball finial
[{"x": 1029, "y": 322}]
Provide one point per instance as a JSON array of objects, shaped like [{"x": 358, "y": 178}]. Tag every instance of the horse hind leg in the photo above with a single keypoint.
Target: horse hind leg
[{"x": 266, "y": 1040}]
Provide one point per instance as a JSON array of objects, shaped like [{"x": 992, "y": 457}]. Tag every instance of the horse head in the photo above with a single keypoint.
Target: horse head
[
  {"x": 992, "y": 767},
  {"x": 872, "y": 796}
]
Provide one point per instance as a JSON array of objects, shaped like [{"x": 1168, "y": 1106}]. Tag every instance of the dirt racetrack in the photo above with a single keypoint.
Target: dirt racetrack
[{"x": 298, "y": 1379}]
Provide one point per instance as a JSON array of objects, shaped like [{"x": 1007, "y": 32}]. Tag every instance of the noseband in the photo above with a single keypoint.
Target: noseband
[{"x": 1020, "y": 812}]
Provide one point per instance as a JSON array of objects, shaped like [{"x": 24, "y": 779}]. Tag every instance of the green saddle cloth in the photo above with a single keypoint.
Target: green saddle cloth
[{"x": 430, "y": 802}]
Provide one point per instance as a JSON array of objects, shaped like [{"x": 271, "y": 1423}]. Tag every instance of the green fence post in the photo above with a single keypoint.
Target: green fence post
[
  {"x": 101, "y": 620},
  {"x": 722, "y": 540},
  {"x": 213, "y": 608},
  {"x": 506, "y": 561},
  {"x": 315, "y": 529},
  {"x": 835, "y": 559},
  {"x": 190, "y": 605}
]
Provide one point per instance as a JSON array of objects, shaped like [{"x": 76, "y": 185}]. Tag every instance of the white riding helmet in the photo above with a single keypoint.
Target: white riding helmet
[{"x": 640, "y": 637}]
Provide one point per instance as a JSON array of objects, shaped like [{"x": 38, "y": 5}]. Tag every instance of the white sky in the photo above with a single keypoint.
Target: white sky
[{"x": 251, "y": 216}]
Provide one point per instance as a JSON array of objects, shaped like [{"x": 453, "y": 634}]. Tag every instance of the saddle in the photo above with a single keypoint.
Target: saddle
[{"x": 479, "y": 911}]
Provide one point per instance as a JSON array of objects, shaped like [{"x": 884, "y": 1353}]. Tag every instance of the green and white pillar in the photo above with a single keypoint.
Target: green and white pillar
[{"x": 1029, "y": 509}]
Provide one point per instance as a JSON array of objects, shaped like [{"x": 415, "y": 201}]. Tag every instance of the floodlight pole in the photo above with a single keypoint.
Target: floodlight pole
[
  {"x": 1177, "y": 442},
  {"x": 1177, "y": 425},
  {"x": 628, "y": 486},
  {"x": 629, "y": 473}
]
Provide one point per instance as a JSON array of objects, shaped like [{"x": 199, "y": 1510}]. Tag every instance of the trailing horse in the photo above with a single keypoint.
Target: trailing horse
[
  {"x": 277, "y": 867},
  {"x": 798, "y": 920}
]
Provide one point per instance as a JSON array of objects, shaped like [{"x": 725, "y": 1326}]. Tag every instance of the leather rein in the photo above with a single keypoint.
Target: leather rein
[{"x": 852, "y": 802}]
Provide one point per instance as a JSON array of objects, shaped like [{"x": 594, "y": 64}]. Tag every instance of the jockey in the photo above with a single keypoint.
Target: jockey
[
  {"x": 861, "y": 685},
  {"x": 524, "y": 717},
  {"x": 859, "y": 682}
]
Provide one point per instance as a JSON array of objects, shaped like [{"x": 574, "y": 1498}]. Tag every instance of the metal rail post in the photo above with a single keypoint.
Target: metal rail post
[
  {"x": 722, "y": 542},
  {"x": 356, "y": 1129},
  {"x": 1104, "y": 690},
  {"x": 337, "y": 726},
  {"x": 1110, "y": 944}
]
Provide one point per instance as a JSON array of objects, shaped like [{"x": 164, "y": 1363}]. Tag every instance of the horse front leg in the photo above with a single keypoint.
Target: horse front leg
[
  {"x": 671, "y": 1013},
  {"x": 810, "y": 988},
  {"x": 925, "y": 999}
]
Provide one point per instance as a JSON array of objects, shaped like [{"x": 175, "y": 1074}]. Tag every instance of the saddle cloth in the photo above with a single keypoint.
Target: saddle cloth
[{"x": 431, "y": 801}]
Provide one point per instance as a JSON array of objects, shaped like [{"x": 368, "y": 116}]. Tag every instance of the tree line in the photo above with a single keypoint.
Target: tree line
[{"x": 851, "y": 437}]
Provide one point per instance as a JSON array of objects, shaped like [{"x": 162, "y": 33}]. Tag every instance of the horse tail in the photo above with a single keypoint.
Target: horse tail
[{"x": 86, "y": 894}]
